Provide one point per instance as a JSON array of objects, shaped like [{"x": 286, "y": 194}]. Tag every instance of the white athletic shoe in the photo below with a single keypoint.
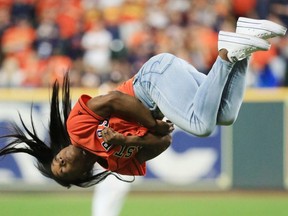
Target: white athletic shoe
[
  {"x": 240, "y": 46},
  {"x": 264, "y": 29}
]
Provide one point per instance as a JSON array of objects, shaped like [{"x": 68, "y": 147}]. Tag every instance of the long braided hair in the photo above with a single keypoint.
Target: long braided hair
[{"x": 59, "y": 139}]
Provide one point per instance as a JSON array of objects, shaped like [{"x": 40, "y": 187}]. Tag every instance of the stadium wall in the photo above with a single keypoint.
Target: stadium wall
[
  {"x": 251, "y": 154},
  {"x": 260, "y": 141}
]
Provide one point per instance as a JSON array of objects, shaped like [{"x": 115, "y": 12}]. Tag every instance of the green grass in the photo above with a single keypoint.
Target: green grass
[
  {"x": 207, "y": 205},
  {"x": 45, "y": 205},
  {"x": 195, "y": 204}
]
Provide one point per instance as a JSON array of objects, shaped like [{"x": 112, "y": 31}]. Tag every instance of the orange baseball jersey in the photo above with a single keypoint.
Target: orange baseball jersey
[{"x": 84, "y": 128}]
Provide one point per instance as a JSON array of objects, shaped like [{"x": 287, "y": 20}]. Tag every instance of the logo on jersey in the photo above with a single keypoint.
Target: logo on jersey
[
  {"x": 127, "y": 151},
  {"x": 101, "y": 127}
]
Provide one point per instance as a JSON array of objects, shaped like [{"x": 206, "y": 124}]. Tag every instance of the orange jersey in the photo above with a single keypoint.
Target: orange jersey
[{"x": 84, "y": 128}]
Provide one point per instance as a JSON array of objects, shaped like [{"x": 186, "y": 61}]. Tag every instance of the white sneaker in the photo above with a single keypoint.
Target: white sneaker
[
  {"x": 240, "y": 46},
  {"x": 264, "y": 29}
]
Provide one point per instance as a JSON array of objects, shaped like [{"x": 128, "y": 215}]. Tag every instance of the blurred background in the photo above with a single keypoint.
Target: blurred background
[{"x": 103, "y": 43}]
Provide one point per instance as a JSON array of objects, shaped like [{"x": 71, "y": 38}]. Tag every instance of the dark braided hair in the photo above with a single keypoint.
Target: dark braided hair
[{"x": 59, "y": 139}]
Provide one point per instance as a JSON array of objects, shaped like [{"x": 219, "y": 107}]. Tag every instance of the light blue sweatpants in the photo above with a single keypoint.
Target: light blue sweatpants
[{"x": 192, "y": 100}]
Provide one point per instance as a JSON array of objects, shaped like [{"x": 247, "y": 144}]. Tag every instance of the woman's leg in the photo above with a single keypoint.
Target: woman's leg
[
  {"x": 188, "y": 98},
  {"x": 233, "y": 94}
]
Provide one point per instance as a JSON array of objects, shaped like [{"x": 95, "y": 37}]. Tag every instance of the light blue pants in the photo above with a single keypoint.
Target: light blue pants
[{"x": 192, "y": 100}]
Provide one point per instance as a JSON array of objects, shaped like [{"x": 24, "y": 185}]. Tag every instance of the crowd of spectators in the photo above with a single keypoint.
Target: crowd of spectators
[{"x": 102, "y": 42}]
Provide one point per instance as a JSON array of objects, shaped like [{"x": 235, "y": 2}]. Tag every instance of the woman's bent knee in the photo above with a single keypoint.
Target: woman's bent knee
[
  {"x": 226, "y": 120},
  {"x": 203, "y": 131}
]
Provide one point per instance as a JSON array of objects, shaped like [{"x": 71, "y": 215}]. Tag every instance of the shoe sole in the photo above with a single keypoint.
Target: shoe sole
[
  {"x": 266, "y": 25},
  {"x": 242, "y": 39}
]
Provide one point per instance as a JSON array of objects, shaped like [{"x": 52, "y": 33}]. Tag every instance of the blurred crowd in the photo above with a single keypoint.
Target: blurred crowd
[{"x": 105, "y": 42}]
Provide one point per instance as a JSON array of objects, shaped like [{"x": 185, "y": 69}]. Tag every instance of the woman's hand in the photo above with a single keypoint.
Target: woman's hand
[
  {"x": 148, "y": 140},
  {"x": 112, "y": 137},
  {"x": 162, "y": 127},
  {"x": 151, "y": 144}
]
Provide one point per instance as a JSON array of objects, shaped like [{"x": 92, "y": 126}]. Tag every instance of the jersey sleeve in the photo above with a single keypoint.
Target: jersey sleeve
[{"x": 82, "y": 122}]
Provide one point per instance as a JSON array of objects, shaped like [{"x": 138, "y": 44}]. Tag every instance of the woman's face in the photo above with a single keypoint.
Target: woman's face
[{"x": 70, "y": 164}]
